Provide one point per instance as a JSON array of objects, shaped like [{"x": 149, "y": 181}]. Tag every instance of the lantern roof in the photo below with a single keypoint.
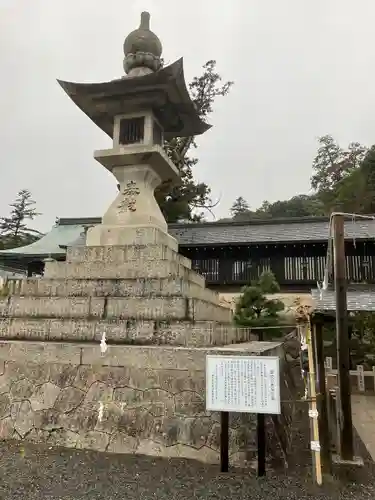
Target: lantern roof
[{"x": 146, "y": 86}]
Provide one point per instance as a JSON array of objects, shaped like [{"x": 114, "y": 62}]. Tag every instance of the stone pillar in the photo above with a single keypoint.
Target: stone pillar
[
  {"x": 134, "y": 217},
  {"x": 135, "y": 204}
]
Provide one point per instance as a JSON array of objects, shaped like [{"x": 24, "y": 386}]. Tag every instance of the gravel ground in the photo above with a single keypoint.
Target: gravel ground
[{"x": 36, "y": 472}]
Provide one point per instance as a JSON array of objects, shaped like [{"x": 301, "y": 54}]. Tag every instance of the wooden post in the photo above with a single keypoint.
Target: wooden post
[
  {"x": 315, "y": 442},
  {"x": 261, "y": 433},
  {"x": 224, "y": 442},
  {"x": 261, "y": 437},
  {"x": 322, "y": 398},
  {"x": 342, "y": 336}
]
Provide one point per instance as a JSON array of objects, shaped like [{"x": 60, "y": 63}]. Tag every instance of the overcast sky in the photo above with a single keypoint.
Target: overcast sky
[{"x": 302, "y": 68}]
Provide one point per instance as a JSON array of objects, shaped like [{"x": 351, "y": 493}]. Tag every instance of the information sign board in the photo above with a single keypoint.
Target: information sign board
[{"x": 248, "y": 384}]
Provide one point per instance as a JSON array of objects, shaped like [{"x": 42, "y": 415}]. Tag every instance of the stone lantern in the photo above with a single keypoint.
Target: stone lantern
[
  {"x": 120, "y": 331},
  {"x": 133, "y": 283},
  {"x": 138, "y": 111}
]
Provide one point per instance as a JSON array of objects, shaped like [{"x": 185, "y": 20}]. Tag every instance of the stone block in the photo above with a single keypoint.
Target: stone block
[
  {"x": 137, "y": 331},
  {"x": 112, "y": 288},
  {"x": 122, "y": 443},
  {"x": 202, "y": 310},
  {"x": 137, "y": 269},
  {"x": 43, "y": 329},
  {"x": 74, "y": 329},
  {"x": 63, "y": 437},
  {"x": 55, "y": 307},
  {"x": 45, "y": 287},
  {"x": 121, "y": 254},
  {"x": 101, "y": 235},
  {"x": 4, "y": 327},
  {"x": 166, "y": 308},
  {"x": 21, "y": 389},
  {"x": 124, "y": 331},
  {"x": 27, "y": 328},
  {"x": 152, "y": 357},
  {"x": 4, "y": 305},
  {"x": 25, "y": 420},
  {"x": 40, "y": 352},
  {"x": 171, "y": 357},
  {"x": 44, "y": 396},
  {"x": 150, "y": 308},
  {"x": 147, "y": 308},
  {"x": 93, "y": 440},
  {"x": 190, "y": 403},
  {"x": 68, "y": 399},
  {"x": 6, "y": 428},
  {"x": 4, "y": 405}
]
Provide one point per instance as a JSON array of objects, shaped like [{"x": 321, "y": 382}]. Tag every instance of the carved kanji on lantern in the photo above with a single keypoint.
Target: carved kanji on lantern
[{"x": 130, "y": 194}]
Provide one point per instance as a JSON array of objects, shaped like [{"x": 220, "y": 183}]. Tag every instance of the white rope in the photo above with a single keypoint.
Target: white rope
[{"x": 323, "y": 286}]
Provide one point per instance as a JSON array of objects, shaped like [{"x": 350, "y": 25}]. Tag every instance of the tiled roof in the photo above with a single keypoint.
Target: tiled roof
[
  {"x": 50, "y": 243},
  {"x": 259, "y": 231},
  {"x": 357, "y": 300},
  {"x": 9, "y": 273},
  {"x": 71, "y": 232},
  {"x": 297, "y": 230}
]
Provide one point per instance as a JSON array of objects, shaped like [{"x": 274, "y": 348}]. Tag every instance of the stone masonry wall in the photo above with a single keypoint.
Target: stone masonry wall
[{"x": 134, "y": 399}]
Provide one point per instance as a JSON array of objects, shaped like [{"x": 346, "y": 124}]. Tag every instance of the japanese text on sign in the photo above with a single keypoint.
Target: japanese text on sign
[{"x": 248, "y": 384}]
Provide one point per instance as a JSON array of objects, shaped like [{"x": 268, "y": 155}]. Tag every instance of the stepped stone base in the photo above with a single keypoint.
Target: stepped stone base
[
  {"x": 103, "y": 235},
  {"x": 167, "y": 308},
  {"x": 122, "y": 254},
  {"x": 140, "y": 332},
  {"x": 146, "y": 393},
  {"x": 152, "y": 287},
  {"x": 136, "y": 269},
  {"x": 144, "y": 294}
]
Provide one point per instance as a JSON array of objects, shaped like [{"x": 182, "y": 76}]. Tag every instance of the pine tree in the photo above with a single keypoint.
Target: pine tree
[
  {"x": 14, "y": 231},
  {"x": 254, "y": 308},
  {"x": 180, "y": 200},
  {"x": 239, "y": 207}
]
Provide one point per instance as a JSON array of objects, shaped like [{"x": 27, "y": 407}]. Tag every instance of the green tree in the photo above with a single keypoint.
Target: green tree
[
  {"x": 14, "y": 231},
  {"x": 362, "y": 184},
  {"x": 302, "y": 205},
  {"x": 335, "y": 174},
  {"x": 327, "y": 164},
  {"x": 349, "y": 195},
  {"x": 254, "y": 308},
  {"x": 180, "y": 200},
  {"x": 240, "y": 209}
]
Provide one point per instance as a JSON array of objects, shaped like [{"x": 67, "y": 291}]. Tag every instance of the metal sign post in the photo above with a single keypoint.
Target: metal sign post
[
  {"x": 243, "y": 384},
  {"x": 224, "y": 441}
]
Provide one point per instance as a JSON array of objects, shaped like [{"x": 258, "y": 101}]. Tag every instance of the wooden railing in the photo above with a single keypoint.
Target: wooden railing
[{"x": 289, "y": 270}]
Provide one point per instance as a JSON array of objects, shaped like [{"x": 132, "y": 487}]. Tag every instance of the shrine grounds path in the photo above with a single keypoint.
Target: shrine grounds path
[{"x": 31, "y": 472}]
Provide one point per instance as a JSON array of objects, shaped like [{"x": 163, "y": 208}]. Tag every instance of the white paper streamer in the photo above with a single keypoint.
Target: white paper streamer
[
  {"x": 103, "y": 345},
  {"x": 315, "y": 445},
  {"x": 328, "y": 363},
  {"x": 100, "y": 412}
]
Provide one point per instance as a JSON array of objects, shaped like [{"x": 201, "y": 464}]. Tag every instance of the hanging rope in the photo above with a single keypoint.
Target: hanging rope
[{"x": 323, "y": 286}]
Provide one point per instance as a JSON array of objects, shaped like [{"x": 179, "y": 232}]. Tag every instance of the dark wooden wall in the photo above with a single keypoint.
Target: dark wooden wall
[{"x": 296, "y": 266}]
